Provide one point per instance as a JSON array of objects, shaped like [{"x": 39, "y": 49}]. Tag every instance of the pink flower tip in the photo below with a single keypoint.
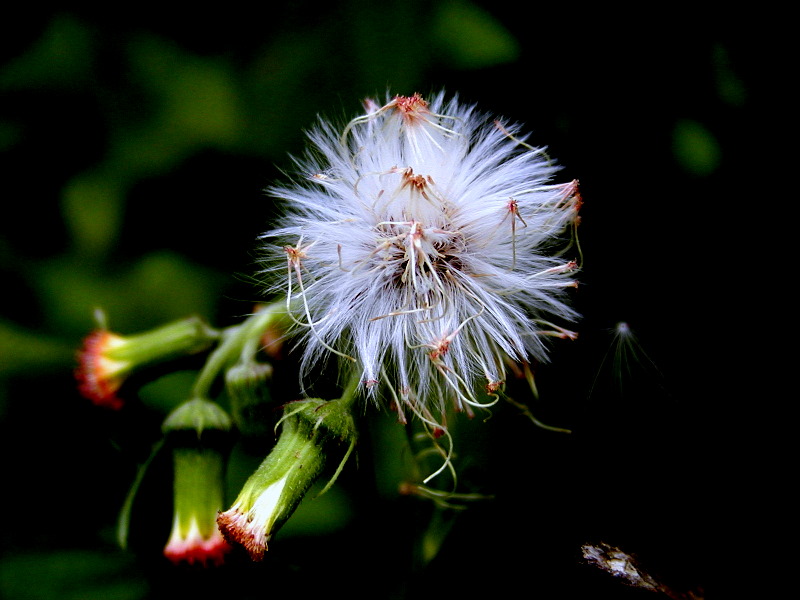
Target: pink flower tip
[
  {"x": 99, "y": 377},
  {"x": 196, "y": 549}
]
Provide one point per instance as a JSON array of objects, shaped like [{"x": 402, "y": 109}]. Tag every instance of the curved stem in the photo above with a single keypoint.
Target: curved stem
[{"x": 235, "y": 340}]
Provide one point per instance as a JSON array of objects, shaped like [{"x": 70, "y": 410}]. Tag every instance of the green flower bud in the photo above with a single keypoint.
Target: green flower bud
[
  {"x": 198, "y": 497},
  {"x": 198, "y": 486},
  {"x": 246, "y": 384},
  {"x": 311, "y": 431},
  {"x": 107, "y": 359}
]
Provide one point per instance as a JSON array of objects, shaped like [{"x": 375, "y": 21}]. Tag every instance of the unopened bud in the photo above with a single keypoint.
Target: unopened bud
[
  {"x": 311, "y": 432},
  {"x": 107, "y": 359},
  {"x": 198, "y": 485}
]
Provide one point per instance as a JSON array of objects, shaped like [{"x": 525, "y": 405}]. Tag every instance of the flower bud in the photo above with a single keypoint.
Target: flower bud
[
  {"x": 312, "y": 431},
  {"x": 198, "y": 485},
  {"x": 107, "y": 359},
  {"x": 246, "y": 386},
  {"x": 198, "y": 496}
]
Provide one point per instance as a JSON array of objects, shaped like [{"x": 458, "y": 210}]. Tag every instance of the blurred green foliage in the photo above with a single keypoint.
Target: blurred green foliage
[
  {"x": 71, "y": 575},
  {"x": 695, "y": 147}
]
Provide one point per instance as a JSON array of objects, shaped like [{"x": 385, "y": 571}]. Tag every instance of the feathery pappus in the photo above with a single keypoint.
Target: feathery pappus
[{"x": 426, "y": 247}]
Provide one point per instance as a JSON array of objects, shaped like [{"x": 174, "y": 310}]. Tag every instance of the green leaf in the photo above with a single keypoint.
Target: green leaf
[
  {"x": 92, "y": 205},
  {"x": 61, "y": 57},
  {"x": 24, "y": 351},
  {"x": 196, "y": 98},
  {"x": 161, "y": 287},
  {"x": 472, "y": 38},
  {"x": 71, "y": 575},
  {"x": 695, "y": 147}
]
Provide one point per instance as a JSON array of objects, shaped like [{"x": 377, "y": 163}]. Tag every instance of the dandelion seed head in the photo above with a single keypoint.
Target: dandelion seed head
[{"x": 422, "y": 246}]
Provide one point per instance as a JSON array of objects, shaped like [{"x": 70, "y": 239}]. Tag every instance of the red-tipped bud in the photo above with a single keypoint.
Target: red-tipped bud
[{"x": 106, "y": 359}]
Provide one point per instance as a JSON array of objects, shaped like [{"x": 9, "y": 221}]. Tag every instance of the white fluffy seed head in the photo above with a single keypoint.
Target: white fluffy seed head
[{"x": 422, "y": 248}]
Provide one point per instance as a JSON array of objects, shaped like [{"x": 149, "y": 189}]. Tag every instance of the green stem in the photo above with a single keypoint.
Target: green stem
[
  {"x": 174, "y": 339},
  {"x": 348, "y": 396},
  {"x": 236, "y": 341}
]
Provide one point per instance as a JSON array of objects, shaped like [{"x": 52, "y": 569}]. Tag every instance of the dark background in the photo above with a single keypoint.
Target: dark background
[{"x": 136, "y": 145}]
